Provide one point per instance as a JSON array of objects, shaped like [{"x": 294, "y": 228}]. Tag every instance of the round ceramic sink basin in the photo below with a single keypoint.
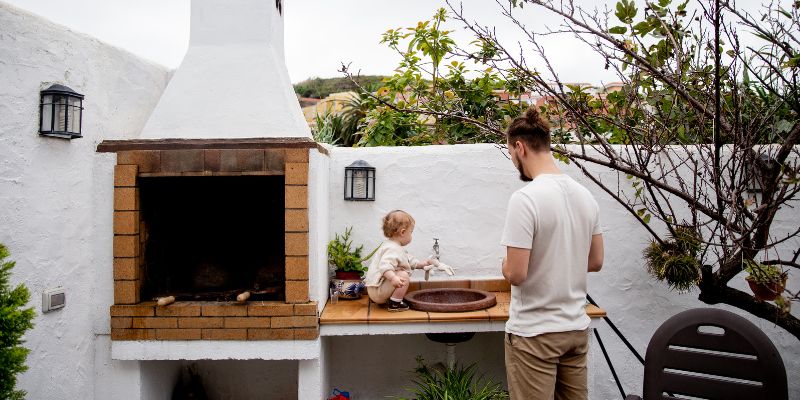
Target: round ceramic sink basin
[{"x": 450, "y": 300}]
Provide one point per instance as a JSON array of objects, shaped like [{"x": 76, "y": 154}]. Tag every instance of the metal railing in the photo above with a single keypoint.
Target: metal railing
[{"x": 605, "y": 353}]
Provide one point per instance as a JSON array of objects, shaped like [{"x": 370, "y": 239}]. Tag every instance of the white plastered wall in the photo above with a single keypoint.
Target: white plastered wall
[{"x": 56, "y": 195}]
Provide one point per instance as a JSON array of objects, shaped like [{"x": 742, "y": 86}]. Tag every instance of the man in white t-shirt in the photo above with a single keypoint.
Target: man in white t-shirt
[{"x": 552, "y": 237}]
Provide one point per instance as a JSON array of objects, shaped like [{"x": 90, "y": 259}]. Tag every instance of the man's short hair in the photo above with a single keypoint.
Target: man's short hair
[{"x": 531, "y": 129}]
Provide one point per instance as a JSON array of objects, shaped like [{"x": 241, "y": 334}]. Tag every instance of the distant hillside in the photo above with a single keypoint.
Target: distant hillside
[{"x": 320, "y": 88}]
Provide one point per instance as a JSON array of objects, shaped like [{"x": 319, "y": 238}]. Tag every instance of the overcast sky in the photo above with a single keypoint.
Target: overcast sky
[{"x": 319, "y": 34}]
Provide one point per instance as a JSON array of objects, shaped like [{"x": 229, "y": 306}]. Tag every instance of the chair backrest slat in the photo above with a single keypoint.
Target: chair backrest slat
[
  {"x": 742, "y": 352},
  {"x": 728, "y": 365},
  {"x": 708, "y": 387}
]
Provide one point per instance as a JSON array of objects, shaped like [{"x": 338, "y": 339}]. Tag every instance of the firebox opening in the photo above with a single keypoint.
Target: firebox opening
[{"x": 213, "y": 237}]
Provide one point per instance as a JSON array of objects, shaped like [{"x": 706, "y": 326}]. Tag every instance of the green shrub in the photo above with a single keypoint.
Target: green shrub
[
  {"x": 14, "y": 321},
  {"x": 457, "y": 383}
]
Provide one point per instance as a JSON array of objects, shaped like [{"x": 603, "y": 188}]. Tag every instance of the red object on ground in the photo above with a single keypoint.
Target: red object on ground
[{"x": 339, "y": 395}]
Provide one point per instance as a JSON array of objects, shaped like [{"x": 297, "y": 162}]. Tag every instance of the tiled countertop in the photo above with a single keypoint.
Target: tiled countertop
[{"x": 365, "y": 312}]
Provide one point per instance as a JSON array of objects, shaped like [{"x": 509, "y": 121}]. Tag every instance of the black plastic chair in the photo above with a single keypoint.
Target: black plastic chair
[{"x": 712, "y": 354}]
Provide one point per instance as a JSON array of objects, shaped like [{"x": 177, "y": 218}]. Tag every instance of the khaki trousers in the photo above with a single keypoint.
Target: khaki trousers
[{"x": 547, "y": 366}]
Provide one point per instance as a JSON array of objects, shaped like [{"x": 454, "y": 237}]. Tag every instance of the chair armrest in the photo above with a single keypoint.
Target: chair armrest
[{"x": 632, "y": 397}]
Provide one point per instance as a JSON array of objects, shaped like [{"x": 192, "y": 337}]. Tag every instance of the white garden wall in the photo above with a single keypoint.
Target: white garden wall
[{"x": 55, "y": 194}]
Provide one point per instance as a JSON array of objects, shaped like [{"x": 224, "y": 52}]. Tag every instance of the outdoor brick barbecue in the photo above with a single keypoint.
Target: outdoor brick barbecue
[{"x": 276, "y": 170}]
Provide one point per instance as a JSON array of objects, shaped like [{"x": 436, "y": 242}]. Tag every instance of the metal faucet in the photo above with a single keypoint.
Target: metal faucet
[{"x": 435, "y": 248}]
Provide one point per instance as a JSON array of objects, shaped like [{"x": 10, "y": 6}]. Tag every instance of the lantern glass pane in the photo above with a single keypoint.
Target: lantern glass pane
[
  {"x": 47, "y": 113},
  {"x": 360, "y": 184},
  {"x": 60, "y": 103},
  {"x": 74, "y": 114},
  {"x": 348, "y": 184}
]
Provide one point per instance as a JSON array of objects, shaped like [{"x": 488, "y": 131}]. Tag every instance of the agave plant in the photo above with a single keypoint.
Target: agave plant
[{"x": 327, "y": 128}]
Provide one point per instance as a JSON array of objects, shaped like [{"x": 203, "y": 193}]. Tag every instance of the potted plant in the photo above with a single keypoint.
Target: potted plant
[
  {"x": 349, "y": 267},
  {"x": 766, "y": 281}
]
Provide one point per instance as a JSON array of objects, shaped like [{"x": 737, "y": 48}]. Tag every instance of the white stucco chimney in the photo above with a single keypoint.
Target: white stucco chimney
[{"x": 233, "y": 81}]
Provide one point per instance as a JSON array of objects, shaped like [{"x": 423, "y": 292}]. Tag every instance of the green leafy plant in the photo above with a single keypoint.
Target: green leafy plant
[
  {"x": 457, "y": 383},
  {"x": 343, "y": 256},
  {"x": 448, "y": 89},
  {"x": 764, "y": 274},
  {"x": 14, "y": 321}
]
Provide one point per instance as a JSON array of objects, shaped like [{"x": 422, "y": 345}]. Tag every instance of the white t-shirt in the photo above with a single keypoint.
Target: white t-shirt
[{"x": 555, "y": 217}]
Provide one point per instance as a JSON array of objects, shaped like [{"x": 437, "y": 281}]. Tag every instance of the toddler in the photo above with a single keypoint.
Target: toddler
[{"x": 389, "y": 272}]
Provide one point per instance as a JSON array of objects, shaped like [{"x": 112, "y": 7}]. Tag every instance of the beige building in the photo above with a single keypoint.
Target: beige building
[{"x": 334, "y": 103}]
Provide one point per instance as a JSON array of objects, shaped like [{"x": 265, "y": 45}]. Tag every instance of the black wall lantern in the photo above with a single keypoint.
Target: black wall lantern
[
  {"x": 60, "y": 112},
  {"x": 359, "y": 181}
]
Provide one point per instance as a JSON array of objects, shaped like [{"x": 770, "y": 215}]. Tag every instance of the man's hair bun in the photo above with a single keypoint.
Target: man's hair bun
[
  {"x": 531, "y": 128},
  {"x": 532, "y": 115}
]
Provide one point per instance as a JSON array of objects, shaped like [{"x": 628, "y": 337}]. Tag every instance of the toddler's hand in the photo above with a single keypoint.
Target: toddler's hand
[
  {"x": 398, "y": 282},
  {"x": 424, "y": 263}
]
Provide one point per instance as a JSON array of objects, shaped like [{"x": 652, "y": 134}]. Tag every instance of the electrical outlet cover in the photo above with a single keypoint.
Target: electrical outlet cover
[{"x": 53, "y": 299}]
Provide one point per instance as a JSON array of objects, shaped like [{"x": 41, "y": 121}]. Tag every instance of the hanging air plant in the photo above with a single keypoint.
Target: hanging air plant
[{"x": 675, "y": 261}]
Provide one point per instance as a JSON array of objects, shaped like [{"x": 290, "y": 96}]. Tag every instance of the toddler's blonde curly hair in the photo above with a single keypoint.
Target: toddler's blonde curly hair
[{"x": 396, "y": 220}]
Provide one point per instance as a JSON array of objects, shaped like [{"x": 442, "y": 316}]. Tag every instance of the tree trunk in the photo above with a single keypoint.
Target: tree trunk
[{"x": 711, "y": 293}]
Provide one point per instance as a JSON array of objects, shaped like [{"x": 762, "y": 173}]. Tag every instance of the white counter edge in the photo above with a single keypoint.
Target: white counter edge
[
  {"x": 401, "y": 328},
  {"x": 215, "y": 349}
]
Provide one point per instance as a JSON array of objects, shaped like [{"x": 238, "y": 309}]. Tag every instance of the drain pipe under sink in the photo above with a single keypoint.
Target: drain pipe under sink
[{"x": 451, "y": 355}]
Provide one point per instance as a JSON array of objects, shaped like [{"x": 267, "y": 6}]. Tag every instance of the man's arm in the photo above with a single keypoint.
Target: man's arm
[
  {"x": 515, "y": 265},
  {"x": 596, "y": 253}
]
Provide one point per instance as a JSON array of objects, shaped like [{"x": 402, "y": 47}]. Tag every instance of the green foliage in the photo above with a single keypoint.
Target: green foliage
[
  {"x": 320, "y": 88},
  {"x": 14, "y": 321},
  {"x": 327, "y": 128},
  {"x": 424, "y": 81},
  {"x": 626, "y": 11},
  {"x": 343, "y": 256},
  {"x": 387, "y": 127},
  {"x": 341, "y": 129},
  {"x": 676, "y": 260},
  {"x": 764, "y": 274},
  {"x": 457, "y": 383}
]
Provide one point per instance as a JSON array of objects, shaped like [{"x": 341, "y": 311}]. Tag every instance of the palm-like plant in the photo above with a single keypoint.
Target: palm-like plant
[{"x": 456, "y": 383}]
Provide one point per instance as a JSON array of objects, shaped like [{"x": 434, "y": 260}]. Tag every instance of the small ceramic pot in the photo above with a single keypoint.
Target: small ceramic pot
[
  {"x": 766, "y": 292},
  {"x": 348, "y": 289}
]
